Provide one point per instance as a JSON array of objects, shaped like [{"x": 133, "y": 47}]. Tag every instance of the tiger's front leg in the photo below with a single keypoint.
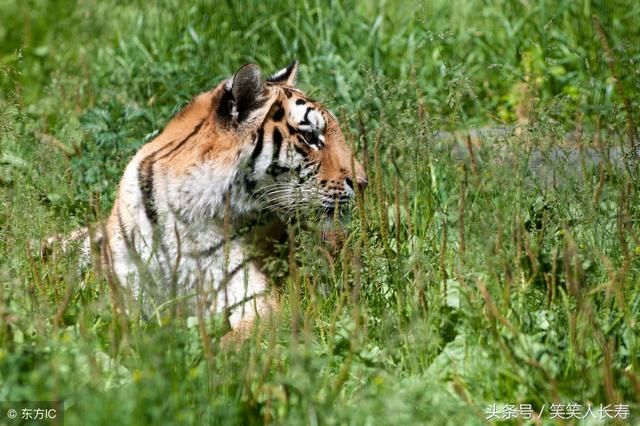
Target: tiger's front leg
[
  {"x": 260, "y": 311},
  {"x": 247, "y": 300},
  {"x": 225, "y": 280}
]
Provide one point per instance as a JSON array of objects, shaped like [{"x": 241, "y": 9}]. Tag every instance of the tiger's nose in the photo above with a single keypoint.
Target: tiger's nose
[{"x": 362, "y": 183}]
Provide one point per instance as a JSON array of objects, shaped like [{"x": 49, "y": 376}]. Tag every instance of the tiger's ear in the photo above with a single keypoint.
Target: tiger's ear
[
  {"x": 286, "y": 76},
  {"x": 247, "y": 91}
]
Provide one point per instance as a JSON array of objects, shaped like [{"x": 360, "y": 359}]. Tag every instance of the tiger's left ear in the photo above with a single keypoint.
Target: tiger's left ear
[
  {"x": 243, "y": 94},
  {"x": 286, "y": 76}
]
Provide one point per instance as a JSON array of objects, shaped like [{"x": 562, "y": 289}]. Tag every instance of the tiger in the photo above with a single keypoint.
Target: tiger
[{"x": 250, "y": 146}]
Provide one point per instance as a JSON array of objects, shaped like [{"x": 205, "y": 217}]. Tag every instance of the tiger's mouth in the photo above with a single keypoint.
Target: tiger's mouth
[{"x": 337, "y": 211}]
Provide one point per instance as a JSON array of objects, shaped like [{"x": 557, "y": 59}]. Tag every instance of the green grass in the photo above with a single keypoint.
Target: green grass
[{"x": 463, "y": 283}]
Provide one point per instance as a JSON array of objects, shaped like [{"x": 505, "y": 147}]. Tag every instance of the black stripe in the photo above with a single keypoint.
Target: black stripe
[
  {"x": 300, "y": 151},
  {"x": 292, "y": 129},
  {"x": 183, "y": 141},
  {"x": 279, "y": 114},
  {"x": 213, "y": 250},
  {"x": 145, "y": 175},
  {"x": 145, "y": 181},
  {"x": 258, "y": 148},
  {"x": 207, "y": 252},
  {"x": 277, "y": 144},
  {"x": 225, "y": 106},
  {"x": 123, "y": 231},
  {"x": 241, "y": 266},
  {"x": 276, "y": 170},
  {"x": 305, "y": 120},
  {"x": 242, "y": 302},
  {"x": 300, "y": 102},
  {"x": 249, "y": 183}
]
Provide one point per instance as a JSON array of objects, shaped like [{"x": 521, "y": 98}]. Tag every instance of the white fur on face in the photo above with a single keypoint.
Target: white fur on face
[{"x": 306, "y": 117}]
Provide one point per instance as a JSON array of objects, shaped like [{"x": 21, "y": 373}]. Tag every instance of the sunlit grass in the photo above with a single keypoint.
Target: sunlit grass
[{"x": 476, "y": 271}]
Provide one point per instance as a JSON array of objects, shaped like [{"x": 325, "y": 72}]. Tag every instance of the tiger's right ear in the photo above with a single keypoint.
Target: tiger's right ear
[
  {"x": 286, "y": 76},
  {"x": 244, "y": 94}
]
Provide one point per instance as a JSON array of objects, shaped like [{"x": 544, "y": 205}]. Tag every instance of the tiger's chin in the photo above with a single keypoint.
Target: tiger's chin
[
  {"x": 334, "y": 233},
  {"x": 333, "y": 223}
]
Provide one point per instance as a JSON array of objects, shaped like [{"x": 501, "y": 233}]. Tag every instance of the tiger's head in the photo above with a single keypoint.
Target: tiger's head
[{"x": 294, "y": 156}]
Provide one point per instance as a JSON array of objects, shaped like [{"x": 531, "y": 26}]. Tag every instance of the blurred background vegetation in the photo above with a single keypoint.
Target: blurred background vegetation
[{"x": 464, "y": 283}]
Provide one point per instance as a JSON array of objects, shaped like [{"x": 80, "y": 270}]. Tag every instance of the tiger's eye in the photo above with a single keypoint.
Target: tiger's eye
[{"x": 310, "y": 137}]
